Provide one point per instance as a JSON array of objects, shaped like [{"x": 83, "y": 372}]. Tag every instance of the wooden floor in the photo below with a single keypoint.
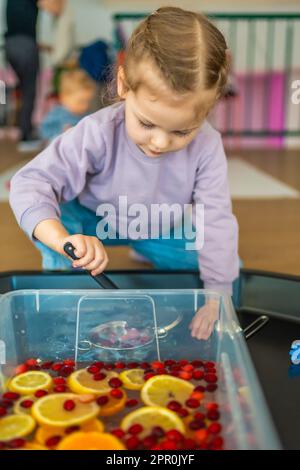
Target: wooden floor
[{"x": 269, "y": 229}]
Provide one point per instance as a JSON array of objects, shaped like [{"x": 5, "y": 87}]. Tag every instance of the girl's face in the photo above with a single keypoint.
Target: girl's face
[{"x": 158, "y": 120}]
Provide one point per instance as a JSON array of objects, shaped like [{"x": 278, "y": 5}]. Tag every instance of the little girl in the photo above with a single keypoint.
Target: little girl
[{"x": 154, "y": 146}]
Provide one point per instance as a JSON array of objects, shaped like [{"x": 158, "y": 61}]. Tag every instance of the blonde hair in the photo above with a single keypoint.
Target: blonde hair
[
  {"x": 74, "y": 80},
  {"x": 189, "y": 51}
]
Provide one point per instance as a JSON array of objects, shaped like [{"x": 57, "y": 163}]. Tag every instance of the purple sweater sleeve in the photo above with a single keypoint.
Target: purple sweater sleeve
[
  {"x": 56, "y": 175},
  {"x": 218, "y": 258}
]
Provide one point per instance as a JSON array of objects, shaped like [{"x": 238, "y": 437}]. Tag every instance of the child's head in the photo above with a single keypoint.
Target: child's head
[
  {"x": 175, "y": 69},
  {"x": 76, "y": 91}
]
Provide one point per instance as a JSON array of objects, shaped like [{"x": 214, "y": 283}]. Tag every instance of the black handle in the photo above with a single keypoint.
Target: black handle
[{"x": 101, "y": 279}]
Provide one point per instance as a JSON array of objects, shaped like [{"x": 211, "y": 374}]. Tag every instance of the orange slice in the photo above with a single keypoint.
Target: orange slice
[
  {"x": 113, "y": 406},
  {"x": 90, "y": 441},
  {"x": 46, "y": 432}
]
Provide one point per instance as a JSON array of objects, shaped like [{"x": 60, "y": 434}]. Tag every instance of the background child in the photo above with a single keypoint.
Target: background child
[
  {"x": 76, "y": 93},
  {"x": 154, "y": 147}
]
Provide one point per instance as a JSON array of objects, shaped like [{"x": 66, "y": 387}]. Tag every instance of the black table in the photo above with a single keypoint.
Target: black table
[{"x": 274, "y": 295}]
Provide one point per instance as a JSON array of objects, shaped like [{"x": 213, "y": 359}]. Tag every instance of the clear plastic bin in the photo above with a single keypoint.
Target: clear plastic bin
[{"x": 59, "y": 324}]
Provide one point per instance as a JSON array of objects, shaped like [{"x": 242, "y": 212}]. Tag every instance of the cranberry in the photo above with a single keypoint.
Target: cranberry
[
  {"x": 40, "y": 393},
  {"x": 211, "y": 387},
  {"x": 211, "y": 406},
  {"x": 196, "y": 424},
  {"x": 115, "y": 382},
  {"x": 174, "y": 405},
  {"x": 2, "y": 411},
  {"x": 132, "y": 443},
  {"x": 217, "y": 443},
  {"x": 109, "y": 366},
  {"x": 133, "y": 365},
  {"x": 53, "y": 441},
  {"x": 183, "y": 412},
  {"x": 169, "y": 445},
  {"x": 20, "y": 369},
  {"x": 60, "y": 388},
  {"x": 131, "y": 403},
  {"x": 148, "y": 376},
  {"x": 174, "y": 435},
  {"x": 11, "y": 396},
  {"x": 2, "y": 445},
  {"x": 188, "y": 444},
  {"x": 161, "y": 372},
  {"x": 102, "y": 400},
  {"x": 199, "y": 415},
  {"x": 209, "y": 365},
  {"x": 145, "y": 365},
  {"x": 157, "y": 431},
  {"x": 214, "y": 428},
  {"x": 26, "y": 404},
  {"x": 185, "y": 375},
  {"x": 213, "y": 415},
  {"x": 120, "y": 365},
  {"x": 16, "y": 443},
  {"x": 197, "y": 363},
  {"x": 66, "y": 371},
  {"x": 175, "y": 367},
  {"x": 200, "y": 388},
  {"x": 98, "y": 364},
  {"x": 192, "y": 403},
  {"x": 183, "y": 362},
  {"x": 69, "y": 362},
  {"x": 169, "y": 362},
  {"x": 71, "y": 429},
  {"x": 210, "y": 378},
  {"x": 57, "y": 366},
  {"x": 135, "y": 429},
  {"x": 188, "y": 368},
  {"x": 198, "y": 374},
  {"x": 149, "y": 442},
  {"x": 6, "y": 403},
  {"x": 157, "y": 365},
  {"x": 174, "y": 373},
  {"x": 116, "y": 393},
  {"x": 118, "y": 433},
  {"x": 93, "y": 370},
  {"x": 99, "y": 376},
  {"x": 31, "y": 362},
  {"x": 59, "y": 381},
  {"x": 69, "y": 405},
  {"x": 47, "y": 365}
]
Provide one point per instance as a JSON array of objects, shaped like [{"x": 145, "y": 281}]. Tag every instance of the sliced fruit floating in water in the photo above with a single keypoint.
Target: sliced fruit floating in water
[
  {"x": 44, "y": 433},
  {"x": 16, "y": 426},
  {"x": 162, "y": 389},
  {"x": 91, "y": 441},
  {"x": 133, "y": 379},
  {"x": 29, "y": 382},
  {"x": 82, "y": 381}
]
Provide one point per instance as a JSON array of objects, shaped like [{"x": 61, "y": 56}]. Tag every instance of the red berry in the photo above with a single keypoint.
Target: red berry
[
  {"x": 157, "y": 365},
  {"x": 60, "y": 388},
  {"x": 174, "y": 373},
  {"x": 2, "y": 411},
  {"x": 93, "y": 370},
  {"x": 169, "y": 445},
  {"x": 149, "y": 375},
  {"x": 66, "y": 371},
  {"x": 199, "y": 415},
  {"x": 175, "y": 367},
  {"x": 102, "y": 400},
  {"x": 174, "y": 405},
  {"x": 135, "y": 429},
  {"x": 185, "y": 375},
  {"x": 161, "y": 372},
  {"x": 214, "y": 428},
  {"x": 132, "y": 443},
  {"x": 99, "y": 376},
  {"x": 183, "y": 362},
  {"x": 213, "y": 415},
  {"x": 200, "y": 388},
  {"x": 120, "y": 365},
  {"x": 198, "y": 374},
  {"x": 69, "y": 362},
  {"x": 31, "y": 362},
  {"x": 71, "y": 429},
  {"x": 211, "y": 406},
  {"x": 116, "y": 393},
  {"x": 11, "y": 396},
  {"x": 57, "y": 366},
  {"x": 2, "y": 445},
  {"x": 211, "y": 387},
  {"x": 118, "y": 433},
  {"x": 196, "y": 424},
  {"x": 133, "y": 365},
  {"x": 115, "y": 382},
  {"x": 69, "y": 405},
  {"x": 20, "y": 369},
  {"x": 157, "y": 431},
  {"x": 59, "y": 381},
  {"x": 47, "y": 365},
  {"x": 182, "y": 412},
  {"x": 53, "y": 441},
  {"x": 98, "y": 364},
  {"x": 210, "y": 378},
  {"x": 188, "y": 368},
  {"x": 149, "y": 442},
  {"x": 40, "y": 393},
  {"x": 169, "y": 362},
  {"x": 174, "y": 435},
  {"x": 6, "y": 403},
  {"x": 131, "y": 403},
  {"x": 109, "y": 366},
  {"x": 209, "y": 365},
  {"x": 192, "y": 403},
  {"x": 197, "y": 363},
  {"x": 188, "y": 444},
  {"x": 16, "y": 443},
  {"x": 145, "y": 365},
  {"x": 26, "y": 403},
  {"x": 216, "y": 443}
]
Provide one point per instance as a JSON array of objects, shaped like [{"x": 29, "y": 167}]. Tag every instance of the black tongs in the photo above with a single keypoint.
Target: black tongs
[{"x": 101, "y": 279}]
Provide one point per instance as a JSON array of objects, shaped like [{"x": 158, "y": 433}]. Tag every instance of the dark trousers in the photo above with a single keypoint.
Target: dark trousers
[{"x": 22, "y": 54}]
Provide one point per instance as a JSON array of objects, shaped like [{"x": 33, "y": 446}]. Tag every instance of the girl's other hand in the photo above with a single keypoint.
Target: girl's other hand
[
  {"x": 91, "y": 252},
  {"x": 203, "y": 322}
]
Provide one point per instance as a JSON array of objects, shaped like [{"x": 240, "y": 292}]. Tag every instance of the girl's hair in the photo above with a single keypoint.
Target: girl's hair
[{"x": 189, "y": 51}]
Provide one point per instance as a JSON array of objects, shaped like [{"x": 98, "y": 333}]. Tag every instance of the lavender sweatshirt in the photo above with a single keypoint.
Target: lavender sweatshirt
[{"x": 97, "y": 162}]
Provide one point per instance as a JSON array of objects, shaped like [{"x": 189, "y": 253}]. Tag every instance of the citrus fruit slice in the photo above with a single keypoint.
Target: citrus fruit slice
[
  {"x": 82, "y": 382},
  {"x": 44, "y": 433},
  {"x": 33, "y": 446},
  {"x": 90, "y": 441},
  {"x": 50, "y": 410},
  {"x": 113, "y": 406},
  {"x": 29, "y": 382},
  {"x": 133, "y": 379},
  {"x": 15, "y": 426},
  {"x": 150, "y": 416},
  {"x": 161, "y": 389},
  {"x": 21, "y": 410}
]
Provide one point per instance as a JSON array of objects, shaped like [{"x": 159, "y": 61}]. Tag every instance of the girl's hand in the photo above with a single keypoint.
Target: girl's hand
[
  {"x": 203, "y": 322},
  {"x": 91, "y": 252}
]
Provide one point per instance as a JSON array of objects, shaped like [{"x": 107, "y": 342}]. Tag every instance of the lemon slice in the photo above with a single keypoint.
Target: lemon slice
[
  {"x": 13, "y": 427},
  {"x": 161, "y": 389},
  {"x": 90, "y": 441},
  {"x": 82, "y": 382},
  {"x": 150, "y": 416},
  {"x": 49, "y": 410},
  {"x": 133, "y": 379},
  {"x": 20, "y": 410},
  {"x": 29, "y": 382}
]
